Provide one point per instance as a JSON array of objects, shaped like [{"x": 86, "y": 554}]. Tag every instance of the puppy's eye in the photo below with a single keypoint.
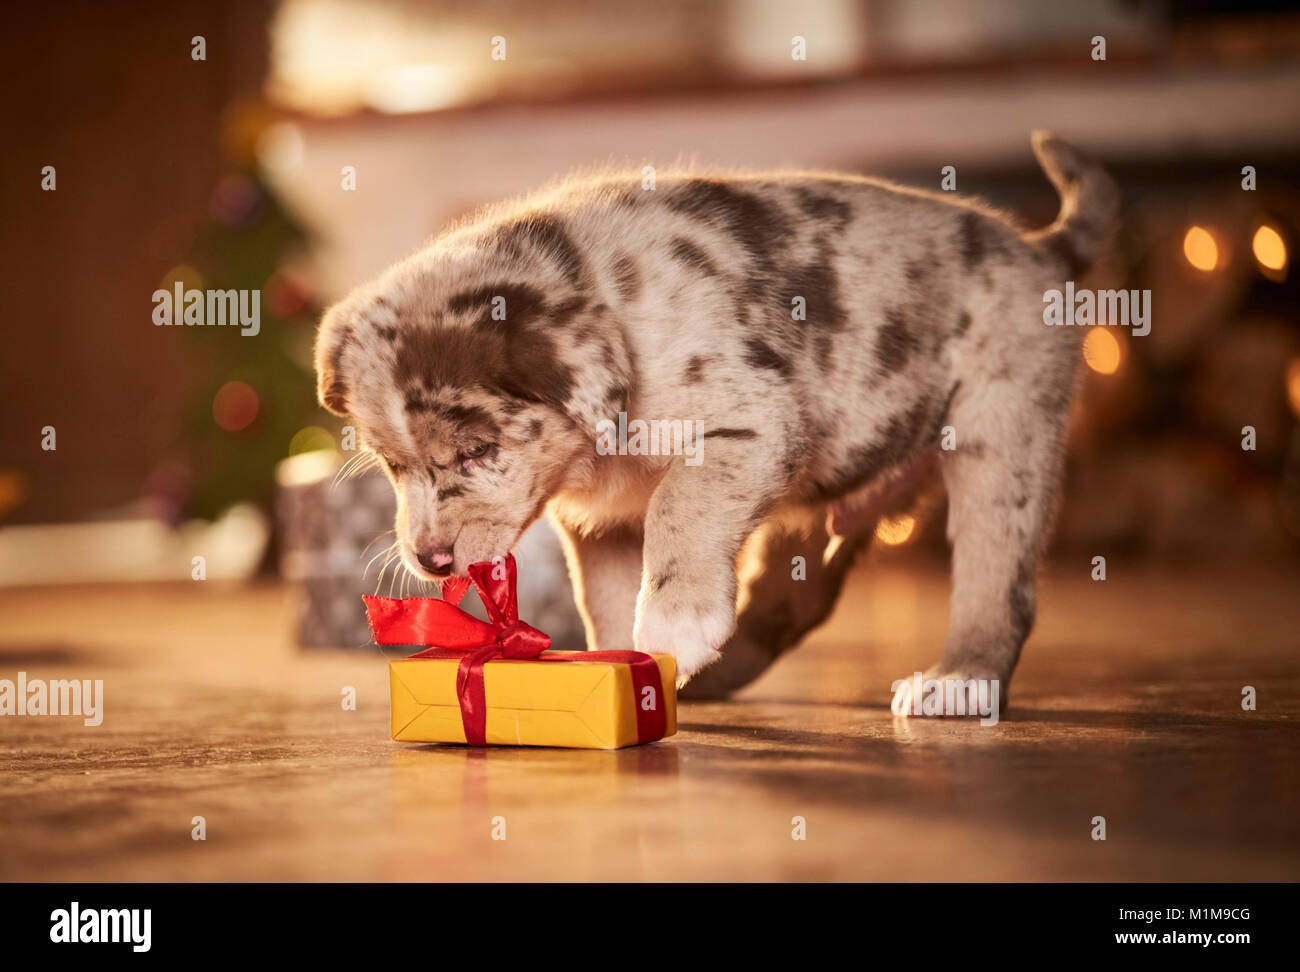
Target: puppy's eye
[{"x": 476, "y": 452}]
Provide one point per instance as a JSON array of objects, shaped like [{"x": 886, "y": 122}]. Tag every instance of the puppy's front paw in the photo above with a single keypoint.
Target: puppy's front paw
[
  {"x": 950, "y": 693},
  {"x": 692, "y": 636}
]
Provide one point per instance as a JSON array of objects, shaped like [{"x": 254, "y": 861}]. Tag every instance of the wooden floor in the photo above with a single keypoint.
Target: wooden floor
[{"x": 1126, "y": 705}]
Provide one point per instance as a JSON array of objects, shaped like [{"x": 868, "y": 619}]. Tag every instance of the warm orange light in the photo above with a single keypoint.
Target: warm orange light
[
  {"x": 1101, "y": 352},
  {"x": 1200, "y": 249},
  {"x": 1269, "y": 249},
  {"x": 235, "y": 406},
  {"x": 1293, "y": 385},
  {"x": 893, "y": 530},
  {"x": 13, "y": 489}
]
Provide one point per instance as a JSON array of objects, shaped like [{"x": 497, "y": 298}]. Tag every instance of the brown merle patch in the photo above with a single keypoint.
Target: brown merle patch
[
  {"x": 731, "y": 434},
  {"x": 419, "y": 402},
  {"x": 523, "y": 304},
  {"x": 758, "y": 227},
  {"x": 561, "y": 313},
  {"x": 760, "y": 354},
  {"x": 416, "y": 401},
  {"x": 895, "y": 342},
  {"x": 535, "y": 371},
  {"x": 695, "y": 368},
  {"x": 469, "y": 416},
  {"x": 542, "y": 235},
  {"x": 824, "y": 207},
  {"x": 616, "y": 397},
  {"x": 518, "y": 362},
  {"x": 692, "y": 257},
  {"x": 657, "y": 581},
  {"x": 980, "y": 239},
  {"x": 627, "y": 278},
  {"x": 818, "y": 284}
]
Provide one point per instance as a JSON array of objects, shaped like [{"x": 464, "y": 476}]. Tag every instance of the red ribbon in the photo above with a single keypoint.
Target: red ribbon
[{"x": 455, "y": 634}]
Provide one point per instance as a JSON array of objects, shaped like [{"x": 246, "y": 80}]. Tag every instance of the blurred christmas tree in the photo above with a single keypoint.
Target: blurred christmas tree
[{"x": 254, "y": 397}]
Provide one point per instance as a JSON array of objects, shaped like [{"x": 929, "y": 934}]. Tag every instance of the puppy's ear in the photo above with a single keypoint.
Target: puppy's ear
[{"x": 332, "y": 339}]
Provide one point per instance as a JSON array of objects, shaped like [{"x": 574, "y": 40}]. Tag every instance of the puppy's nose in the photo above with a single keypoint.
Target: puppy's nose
[{"x": 436, "y": 561}]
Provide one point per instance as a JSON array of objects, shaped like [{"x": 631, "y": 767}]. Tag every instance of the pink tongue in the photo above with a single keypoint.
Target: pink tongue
[{"x": 454, "y": 589}]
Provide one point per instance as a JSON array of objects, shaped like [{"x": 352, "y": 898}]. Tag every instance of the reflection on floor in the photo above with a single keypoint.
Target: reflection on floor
[{"x": 1127, "y": 706}]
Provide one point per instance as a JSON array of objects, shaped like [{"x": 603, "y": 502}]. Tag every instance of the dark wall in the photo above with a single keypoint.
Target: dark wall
[{"x": 108, "y": 94}]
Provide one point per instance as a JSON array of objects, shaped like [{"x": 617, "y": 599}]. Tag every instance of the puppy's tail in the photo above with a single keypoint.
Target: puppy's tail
[{"x": 1089, "y": 215}]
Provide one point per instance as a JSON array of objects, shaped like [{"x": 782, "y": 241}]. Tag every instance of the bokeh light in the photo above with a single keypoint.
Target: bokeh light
[
  {"x": 1270, "y": 251},
  {"x": 185, "y": 274},
  {"x": 286, "y": 294},
  {"x": 13, "y": 490},
  {"x": 235, "y": 406},
  {"x": 236, "y": 201},
  {"x": 405, "y": 88},
  {"x": 1101, "y": 351},
  {"x": 895, "y": 530},
  {"x": 311, "y": 439},
  {"x": 280, "y": 148},
  {"x": 1200, "y": 249}
]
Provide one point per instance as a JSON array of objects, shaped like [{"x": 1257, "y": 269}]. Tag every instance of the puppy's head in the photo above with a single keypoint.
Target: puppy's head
[{"x": 480, "y": 400}]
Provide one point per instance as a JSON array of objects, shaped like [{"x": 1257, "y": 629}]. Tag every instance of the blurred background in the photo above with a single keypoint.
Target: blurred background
[{"x": 297, "y": 148}]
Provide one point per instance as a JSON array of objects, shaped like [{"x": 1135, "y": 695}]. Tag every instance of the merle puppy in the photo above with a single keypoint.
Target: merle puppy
[{"x": 822, "y": 330}]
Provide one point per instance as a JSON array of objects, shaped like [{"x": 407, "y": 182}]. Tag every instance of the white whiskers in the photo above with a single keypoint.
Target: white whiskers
[{"x": 355, "y": 466}]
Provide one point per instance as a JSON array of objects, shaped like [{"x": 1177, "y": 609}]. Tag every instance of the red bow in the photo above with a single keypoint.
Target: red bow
[{"x": 455, "y": 634}]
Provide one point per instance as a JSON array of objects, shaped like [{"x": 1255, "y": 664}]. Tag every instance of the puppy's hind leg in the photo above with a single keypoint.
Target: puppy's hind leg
[
  {"x": 1002, "y": 480},
  {"x": 776, "y": 607}
]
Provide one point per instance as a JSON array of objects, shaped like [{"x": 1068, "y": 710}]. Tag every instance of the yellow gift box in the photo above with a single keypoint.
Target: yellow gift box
[
  {"x": 576, "y": 704},
  {"x": 495, "y": 682}
]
